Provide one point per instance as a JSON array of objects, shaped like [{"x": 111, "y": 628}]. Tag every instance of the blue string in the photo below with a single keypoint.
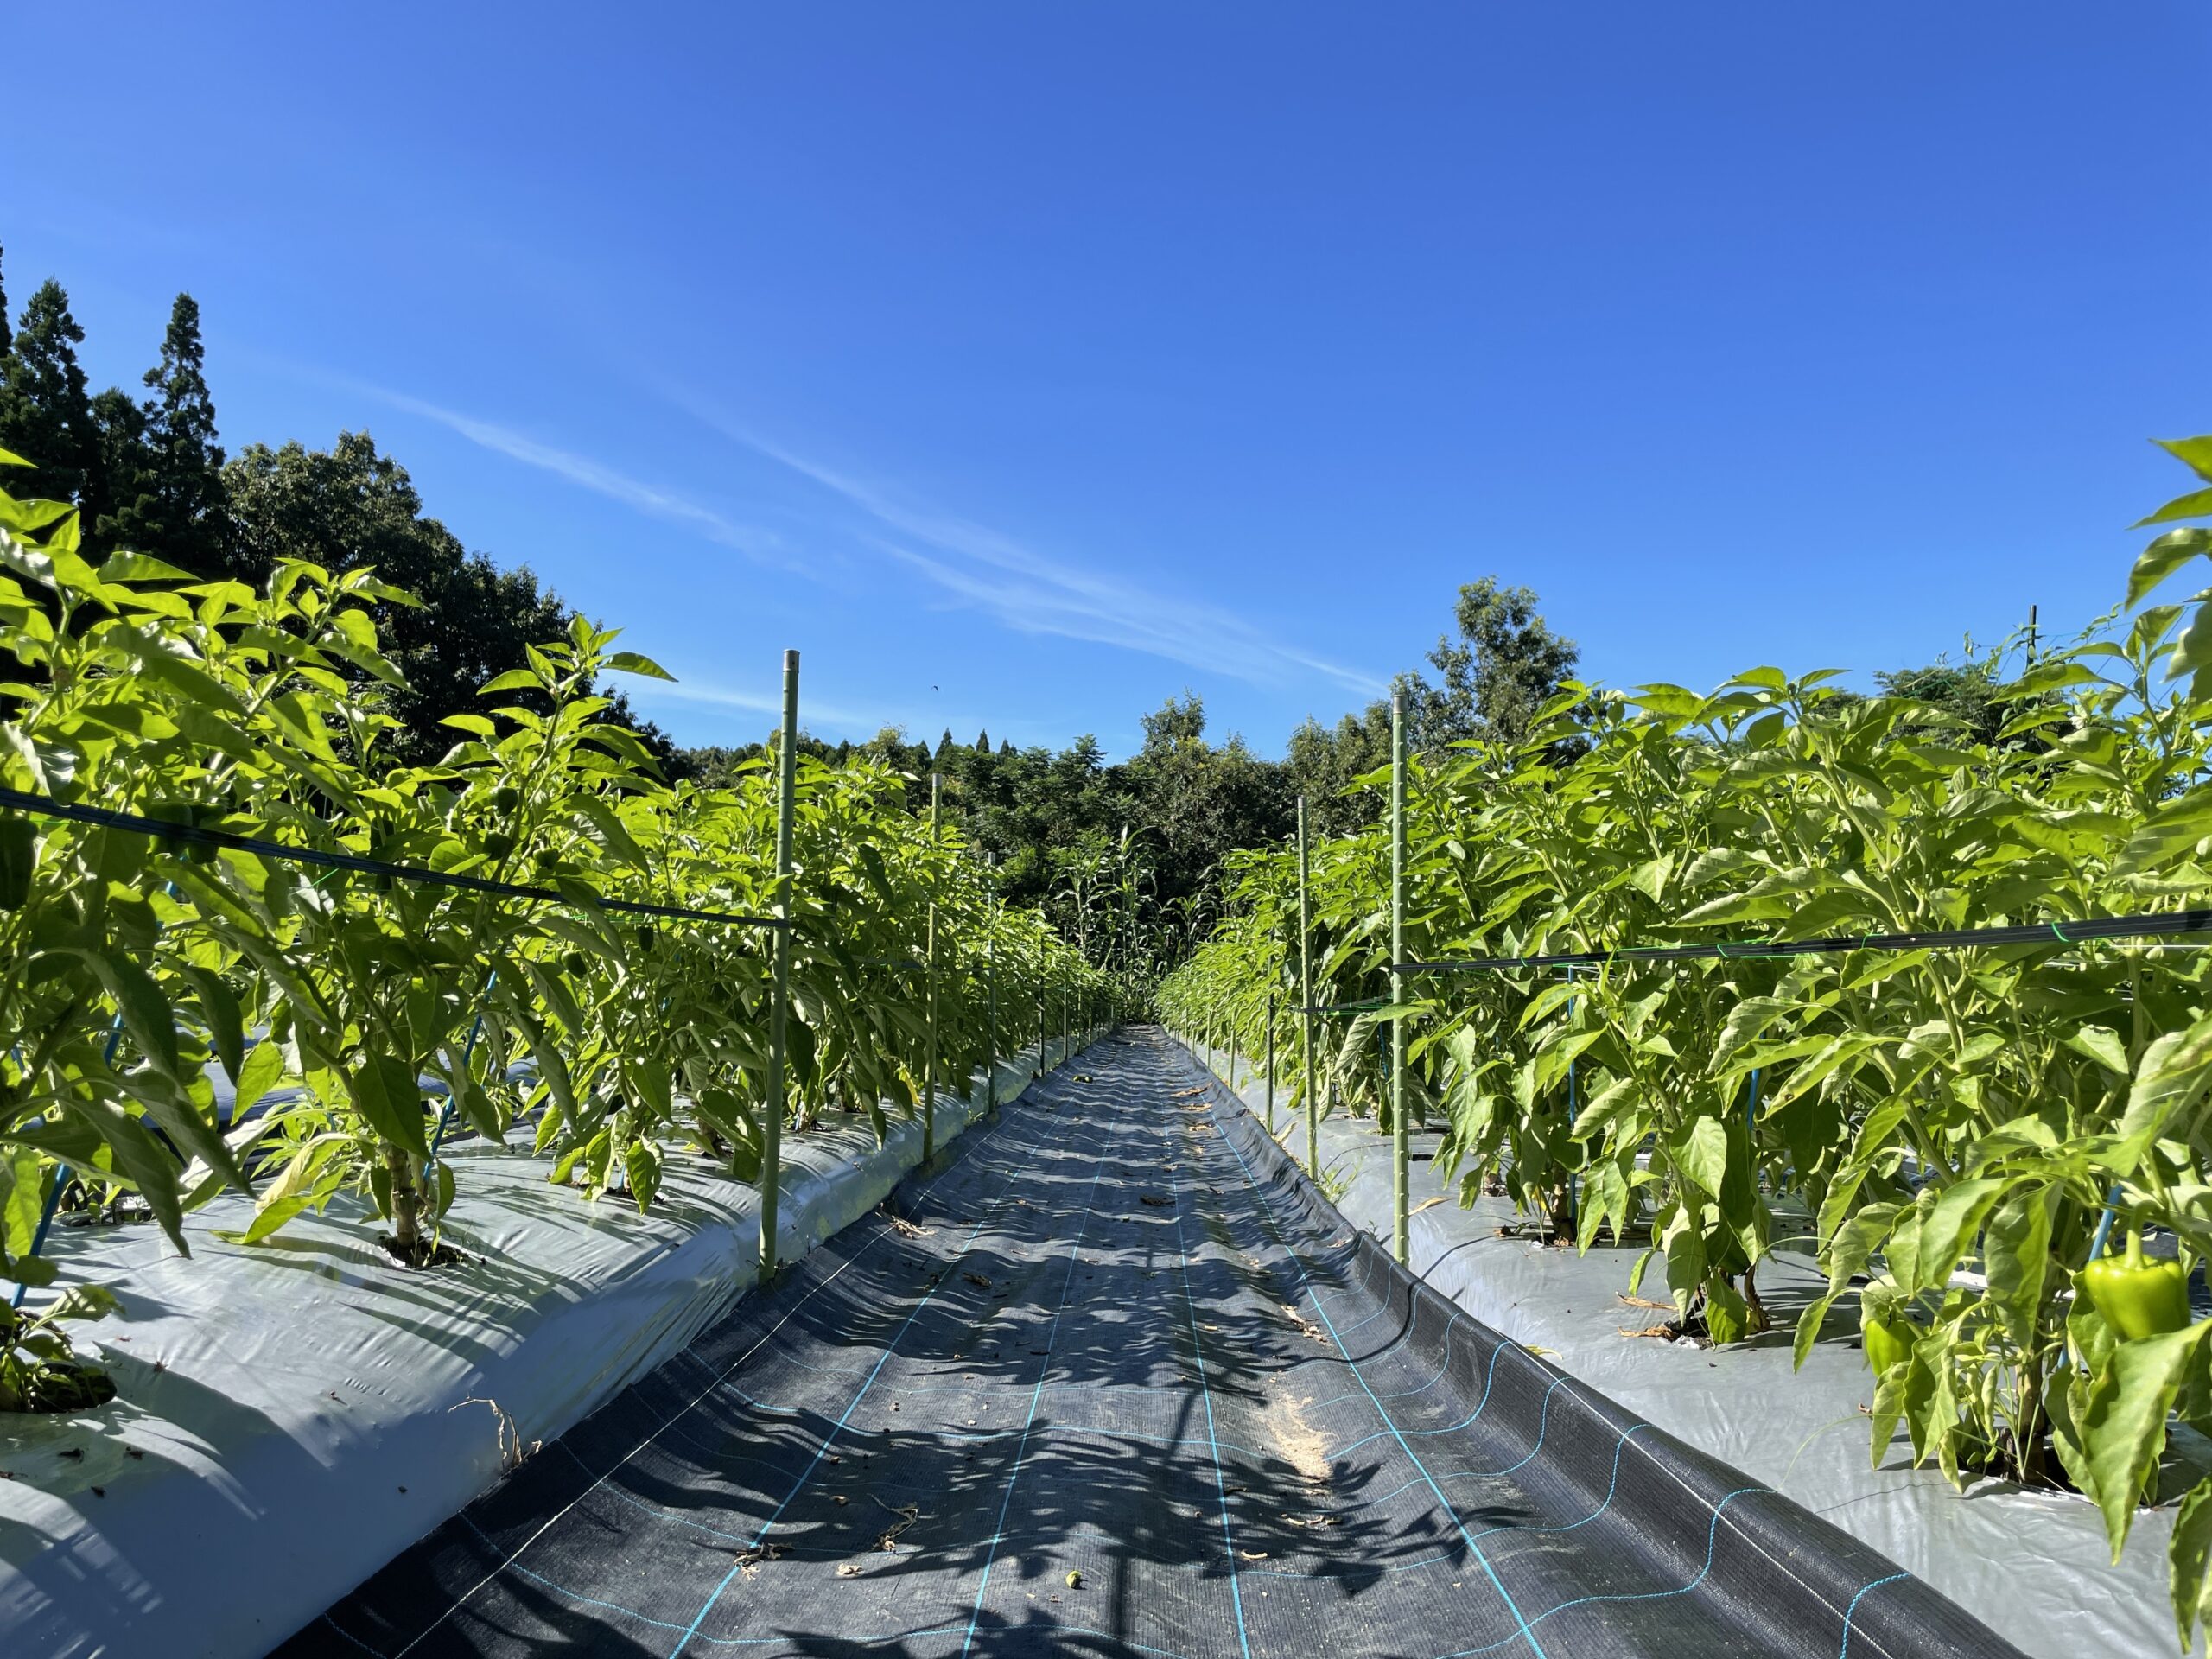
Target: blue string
[
  {"x": 1844, "y": 1651},
  {"x": 2104, "y": 1224}
]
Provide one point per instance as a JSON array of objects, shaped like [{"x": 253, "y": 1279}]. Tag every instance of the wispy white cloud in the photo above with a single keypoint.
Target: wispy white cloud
[
  {"x": 820, "y": 718},
  {"x": 589, "y": 474},
  {"x": 736, "y": 697},
  {"x": 1033, "y": 593}
]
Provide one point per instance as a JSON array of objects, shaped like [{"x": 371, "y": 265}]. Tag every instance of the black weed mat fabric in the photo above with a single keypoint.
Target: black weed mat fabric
[{"x": 1116, "y": 1381}]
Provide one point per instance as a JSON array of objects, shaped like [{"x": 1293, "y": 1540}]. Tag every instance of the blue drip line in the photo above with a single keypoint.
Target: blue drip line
[{"x": 2104, "y": 1222}]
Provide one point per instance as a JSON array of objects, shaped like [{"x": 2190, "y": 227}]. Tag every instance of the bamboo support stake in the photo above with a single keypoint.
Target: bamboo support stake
[
  {"x": 1400, "y": 1151},
  {"x": 771, "y": 1115},
  {"x": 1271, "y": 1063},
  {"x": 928, "y": 973},
  {"x": 1305, "y": 1003}
]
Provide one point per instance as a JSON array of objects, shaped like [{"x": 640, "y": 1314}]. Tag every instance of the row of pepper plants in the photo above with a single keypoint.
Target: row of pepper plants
[
  {"x": 1975, "y": 1141},
  {"x": 361, "y": 1024}
]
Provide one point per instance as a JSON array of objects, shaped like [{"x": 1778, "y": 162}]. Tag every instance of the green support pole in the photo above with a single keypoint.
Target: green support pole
[
  {"x": 771, "y": 1115},
  {"x": 991, "y": 996},
  {"x": 1271, "y": 1063},
  {"x": 1305, "y": 1003},
  {"x": 929, "y": 972},
  {"x": 1399, "y": 1152}
]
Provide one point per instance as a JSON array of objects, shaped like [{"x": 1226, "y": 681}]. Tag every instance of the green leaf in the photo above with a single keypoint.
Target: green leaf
[
  {"x": 2123, "y": 1422},
  {"x": 476, "y": 1106},
  {"x": 185, "y": 1113},
  {"x": 193, "y": 682},
  {"x": 1949, "y": 1229},
  {"x": 146, "y": 1011},
  {"x": 2103, "y": 1045},
  {"x": 2171, "y": 1079},
  {"x": 23, "y": 1198},
  {"x": 630, "y": 662},
  {"x": 142, "y": 1162},
  {"x": 219, "y": 1006},
  {"x": 2166, "y": 555},
  {"x": 2195, "y": 453},
  {"x": 289, "y": 1193},
  {"x": 262, "y": 1070},
  {"x": 85, "y": 1302},
  {"x": 2189, "y": 1561},
  {"x": 641, "y": 1163},
  {"x": 2197, "y": 504},
  {"x": 390, "y": 1100},
  {"x": 515, "y": 679},
  {"x": 141, "y": 567},
  {"x": 2016, "y": 1252},
  {"x": 1702, "y": 1155}
]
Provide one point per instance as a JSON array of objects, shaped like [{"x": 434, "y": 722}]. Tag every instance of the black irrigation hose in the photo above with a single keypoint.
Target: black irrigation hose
[
  {"x": 101, "y": 817},
  {"x": 1964, "y": 939}
]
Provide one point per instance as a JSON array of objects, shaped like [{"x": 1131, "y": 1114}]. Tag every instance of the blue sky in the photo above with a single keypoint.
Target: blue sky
[{"x": 1026, "y": 364}]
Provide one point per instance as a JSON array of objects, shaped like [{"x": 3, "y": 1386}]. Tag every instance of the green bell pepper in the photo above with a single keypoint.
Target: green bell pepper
[{"x": 2137, "y": 1297}]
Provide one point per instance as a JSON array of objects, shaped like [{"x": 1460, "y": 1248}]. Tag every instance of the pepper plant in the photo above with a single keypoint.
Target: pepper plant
[
  {"x": 1999, "y": 1156},
  {"x": 178, "y": 1017}
]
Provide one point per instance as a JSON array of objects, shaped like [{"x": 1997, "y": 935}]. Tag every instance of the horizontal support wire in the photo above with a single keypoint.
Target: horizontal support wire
[
  {"x": 1968, "y": 939},
  {"x": 104, "y": 819}
]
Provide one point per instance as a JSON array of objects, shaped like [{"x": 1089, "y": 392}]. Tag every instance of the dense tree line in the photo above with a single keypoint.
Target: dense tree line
[
  {"x": 1126, "y": 855},
  {"x": 148, "y": 474}
]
